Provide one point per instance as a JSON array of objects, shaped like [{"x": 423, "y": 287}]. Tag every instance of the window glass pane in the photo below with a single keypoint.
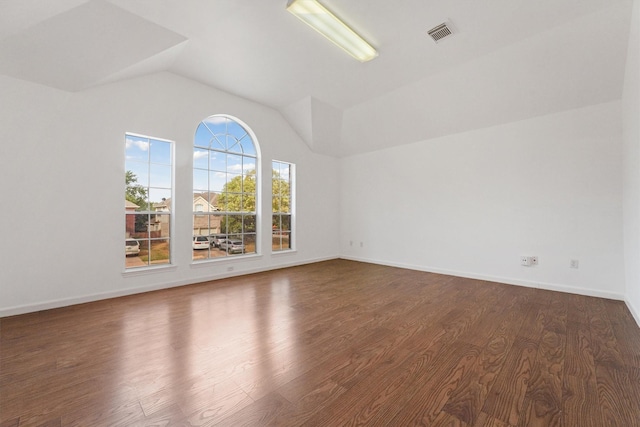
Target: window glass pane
[
  {"x": 217, "y": 252},
  {"x": 285, "y": 172},
  {"x": 233, "y": 145},
  {"x": 219, "y": 204},
  {"x": 218, "y": 161},
  {"x": 234, "y": 129},
  {"x": 201, "y": 225},
  {"x": 200, "y": 180},
  {"x": 162, "y": 225},
  {"x": 234, "y": 183},
  {"x": 158, "y": 196},
  {"x": 250, "y": 243},
  {"x": 249, "y": 203},
  {"x": 132, "y": 253},
  {"x": 160, "y": 152},
  {"x": 215, "y": 223},
  {"x": 202, "y": 137},
  {"x": 200, "y": 248},
  {"x": 218, "y": 143},
  {"x": 248, "y": 147},
  {"x": 248, "y": 165},
  {"x": 285, "y": 222},
  {"x": 285, "y": 240},
  {"x": 217, "y": 124},
  {"x": 137, "y": 173},
  {"x": 136, "y": 148},
  {"x": 249, "y": 182},
  {"x": 276, "y": 241},
  {"x": 159, "y": 176},
  {"x": 275, "y": 223},
  {"x": 285, "y": 204},
  {"x": 234, "y": 224},
  {"x": 234, "y": 163},
  {"x": 217, "y": 181},
  {"x": 200, "y": 158},
  {"x": 249, "y": 223},
  {"x": 159, "y": 252},
  {"x": 144, "y": 251},
  {"x": 141, "y": 225}
]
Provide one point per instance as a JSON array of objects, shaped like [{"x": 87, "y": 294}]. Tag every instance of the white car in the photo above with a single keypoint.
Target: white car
[
  {"x": 216, "y": 239},
  {"x": 132, "y": 247},
  {"x": 232, "y": 246},
  {"x": 200, "y": 242}
]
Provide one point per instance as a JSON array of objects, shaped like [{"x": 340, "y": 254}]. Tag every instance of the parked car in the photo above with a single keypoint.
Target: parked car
[
  {"x": 232, "y": 246},
  {"x": 216, "y": 239},
  {"x": 132, "y": 247},
  {"x": 200, "y": 242}
]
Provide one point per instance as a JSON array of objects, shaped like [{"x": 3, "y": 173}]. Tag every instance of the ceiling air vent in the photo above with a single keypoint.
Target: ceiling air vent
[{"x": 441, "y": 31}]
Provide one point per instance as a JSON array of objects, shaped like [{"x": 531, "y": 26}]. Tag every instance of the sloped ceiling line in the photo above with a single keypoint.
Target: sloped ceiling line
[{"x": 85, "y": 45}]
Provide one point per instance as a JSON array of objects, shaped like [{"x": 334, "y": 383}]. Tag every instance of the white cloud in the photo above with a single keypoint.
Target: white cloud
[
  {"x": 141, "y": 145},
  {"x": 200, "y": 155},
  {"x": 215, "y": 120},
  {"x": 241, "y": 168}
]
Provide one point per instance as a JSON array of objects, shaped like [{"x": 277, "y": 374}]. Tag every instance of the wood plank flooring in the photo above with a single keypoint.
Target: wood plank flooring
[{"x": 337, "y": 343}]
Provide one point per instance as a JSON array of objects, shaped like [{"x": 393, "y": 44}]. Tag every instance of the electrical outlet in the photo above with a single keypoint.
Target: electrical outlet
[
  {"x": 534, "y": 260},
  {"x": 574, "y": 263},
  {"x": 525, "y": 260}
]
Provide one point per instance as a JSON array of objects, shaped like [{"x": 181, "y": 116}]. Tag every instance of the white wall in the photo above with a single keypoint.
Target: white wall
[
  {"x": 66, "y": 151},
  {"x": 631, "y": 120},
  {"x": 470, "y": 204}
]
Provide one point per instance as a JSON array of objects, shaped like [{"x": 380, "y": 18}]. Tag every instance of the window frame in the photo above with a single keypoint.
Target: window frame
[
  {"x": 169, "y": 205},
  {"x": 292, "y": 209},
  {"x": 214, "y": 254}
]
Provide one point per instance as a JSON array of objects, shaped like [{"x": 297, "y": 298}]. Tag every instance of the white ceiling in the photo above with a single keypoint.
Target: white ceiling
[{"x": 508, "y": 60}]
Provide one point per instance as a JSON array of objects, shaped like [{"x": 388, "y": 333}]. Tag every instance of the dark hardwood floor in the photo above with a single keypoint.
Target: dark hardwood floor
[{"x": 328, "y": 344}]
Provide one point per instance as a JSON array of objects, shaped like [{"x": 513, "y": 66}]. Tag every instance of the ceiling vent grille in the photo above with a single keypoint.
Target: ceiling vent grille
[{"x": 440, "y": 32}]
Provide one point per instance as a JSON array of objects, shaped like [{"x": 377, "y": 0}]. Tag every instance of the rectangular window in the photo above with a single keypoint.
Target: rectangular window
[
  {"x": 148, "y": 195},
  {"x": 283, "y": 206}
]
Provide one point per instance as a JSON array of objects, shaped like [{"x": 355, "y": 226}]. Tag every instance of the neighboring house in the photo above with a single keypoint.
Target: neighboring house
[
  {"x": 157, "y": 226},
  {"x": 130, "y": 226},
  {"x": 160, "y": 221},
  {"x": 205, "y": 224}
]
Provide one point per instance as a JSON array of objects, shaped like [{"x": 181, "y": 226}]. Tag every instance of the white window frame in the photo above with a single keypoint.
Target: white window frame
[
  {"x": 216, "y": 256},
  {"x": 292, "y": 208},
  {"x": 170, "y": 208}
]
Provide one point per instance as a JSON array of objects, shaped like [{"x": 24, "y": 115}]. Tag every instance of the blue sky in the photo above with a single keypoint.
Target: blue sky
[
  {"x": 150, "y": 160},
  {"x": 213, "y": 169}
]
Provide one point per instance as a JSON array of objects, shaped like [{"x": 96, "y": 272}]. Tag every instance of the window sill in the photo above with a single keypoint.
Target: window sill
[
  {"x": 143, "y": 271},
  {"x": 288, "y": 251},
  {"x": 209, "y": 262}
]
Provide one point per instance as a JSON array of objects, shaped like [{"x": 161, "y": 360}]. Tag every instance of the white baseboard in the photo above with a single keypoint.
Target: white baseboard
[
  {"x": 64, "y": 302},
  {"x": 29, "y": 308},
  {"x": 635, "y": 312},
  {"x": 505, "y": 280}
]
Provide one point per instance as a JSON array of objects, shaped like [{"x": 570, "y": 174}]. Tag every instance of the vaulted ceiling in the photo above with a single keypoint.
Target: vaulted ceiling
[{"x": 508, "y": 60}]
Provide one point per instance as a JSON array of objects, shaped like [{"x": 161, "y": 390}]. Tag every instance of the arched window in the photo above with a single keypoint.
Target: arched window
[{"x": 225, "y": 183}]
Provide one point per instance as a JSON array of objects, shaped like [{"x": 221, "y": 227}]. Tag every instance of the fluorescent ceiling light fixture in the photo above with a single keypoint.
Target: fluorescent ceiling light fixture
[{"x": 326, "y": 23}]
